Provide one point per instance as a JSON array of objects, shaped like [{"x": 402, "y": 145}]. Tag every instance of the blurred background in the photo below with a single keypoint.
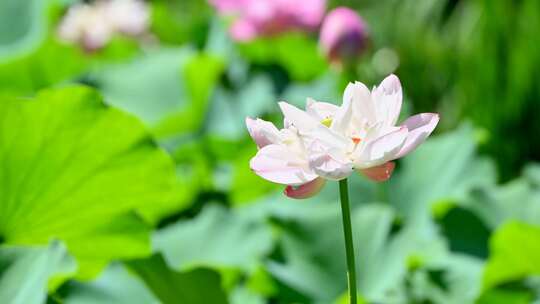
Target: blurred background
[{"x": 125, "y": 158}]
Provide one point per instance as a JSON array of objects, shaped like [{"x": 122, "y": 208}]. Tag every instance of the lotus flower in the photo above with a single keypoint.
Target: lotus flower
[
  {"x": 343, "y": 35},
  {"x": 254, "y": 18},
  {"x": 129, "y": 17},
  {"x": 327, "y": 142},
  {"x": 85, "y": 25},
  {"x": 92, "y": 26}
]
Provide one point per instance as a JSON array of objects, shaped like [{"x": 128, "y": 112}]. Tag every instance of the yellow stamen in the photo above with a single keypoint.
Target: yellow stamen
[{"x": 327, "y": 122}]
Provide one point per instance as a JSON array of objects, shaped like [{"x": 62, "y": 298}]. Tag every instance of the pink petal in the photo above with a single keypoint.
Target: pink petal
[
  {"x": 243, "y": 30},
  {"x": 420, "y": 127},
  {"x": 278, "y": 164},
  {"x": 380, "y": 173},
  {"x": 309, "y": 12},
  {"x": 227, "y": 6},
  {"x": 261, "y": 11},
  {"x": 269, "y": 17},
  {"x": 306, "y": 190},
  {"x": 263, "y": 132},
  {"x": 390, "y": 85},
  {"x": 382, "y": 149}
]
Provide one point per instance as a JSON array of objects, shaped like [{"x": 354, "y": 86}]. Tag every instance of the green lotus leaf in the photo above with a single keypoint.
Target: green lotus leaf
[{"x": 76, "y": 170}]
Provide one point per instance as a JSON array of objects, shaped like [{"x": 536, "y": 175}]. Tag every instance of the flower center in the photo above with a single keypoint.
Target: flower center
[
  {"x": 356, "y": 140},
  {"x": 327, "y": 122}
]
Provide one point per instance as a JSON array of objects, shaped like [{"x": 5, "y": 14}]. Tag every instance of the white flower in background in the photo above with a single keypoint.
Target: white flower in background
[
  {"x": 93, "y": 25},
  {"x": 86, "y": 25},
  {"x": 129, "y": 17},
  {"x": 360, "y": 135}
]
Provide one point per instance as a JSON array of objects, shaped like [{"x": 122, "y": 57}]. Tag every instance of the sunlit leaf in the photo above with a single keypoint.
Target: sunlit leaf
[
  {"x": 72, "y": 169},
  {"x": 514, "y": 254}
]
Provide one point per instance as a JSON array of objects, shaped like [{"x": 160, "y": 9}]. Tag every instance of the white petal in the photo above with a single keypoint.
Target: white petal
[
  {"x": 329, "y": 138},
  {"x": 381, "y": 150},
  {"x": 263, "y": 132},
  {"x": 387, "y": 98},
  {"x": 420, "y": 127},
  {"x": 278, "y": 164},
  {"x": 343, "y": 116},
  {"x": 348, "y": 93},
  {"x": 320, "y": 110},
  {"x": 329, "y": 163},
  {"x": 298, "y": 118},
  {"x": 362, "y": 103}
]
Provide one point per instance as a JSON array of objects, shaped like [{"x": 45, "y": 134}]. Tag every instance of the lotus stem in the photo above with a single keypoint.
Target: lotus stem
[{"x": 349, "y": 244}]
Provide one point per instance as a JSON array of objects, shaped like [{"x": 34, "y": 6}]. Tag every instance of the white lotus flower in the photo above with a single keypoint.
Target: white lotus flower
[
  {"x": 359, "y": 135},
  {"x": 93, "y": 25},
  {"x": 129, "y": 17},
  {"x": 86, "y": 25}
]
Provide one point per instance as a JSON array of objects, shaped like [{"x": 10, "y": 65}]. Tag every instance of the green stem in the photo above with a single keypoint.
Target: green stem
[{"x": 349, "y": 245}]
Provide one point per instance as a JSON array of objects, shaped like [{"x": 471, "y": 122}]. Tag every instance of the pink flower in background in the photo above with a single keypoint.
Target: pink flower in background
[
  {"x": 93, "y": 25},
  {"x": 254, "y": 18},
  {"x": 343, "y": 35},
  {"x": 329, "y": 142}
]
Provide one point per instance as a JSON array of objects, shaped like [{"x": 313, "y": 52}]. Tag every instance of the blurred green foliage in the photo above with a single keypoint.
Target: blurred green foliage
[
  {"x": 124, "y": 173},
  {"x": 470, "y": 59}
]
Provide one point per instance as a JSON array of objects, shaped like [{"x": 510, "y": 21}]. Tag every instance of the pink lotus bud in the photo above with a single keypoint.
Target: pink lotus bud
[
  {"x": 261, "y": 18},
  {"x": 343, "y": 35}
]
